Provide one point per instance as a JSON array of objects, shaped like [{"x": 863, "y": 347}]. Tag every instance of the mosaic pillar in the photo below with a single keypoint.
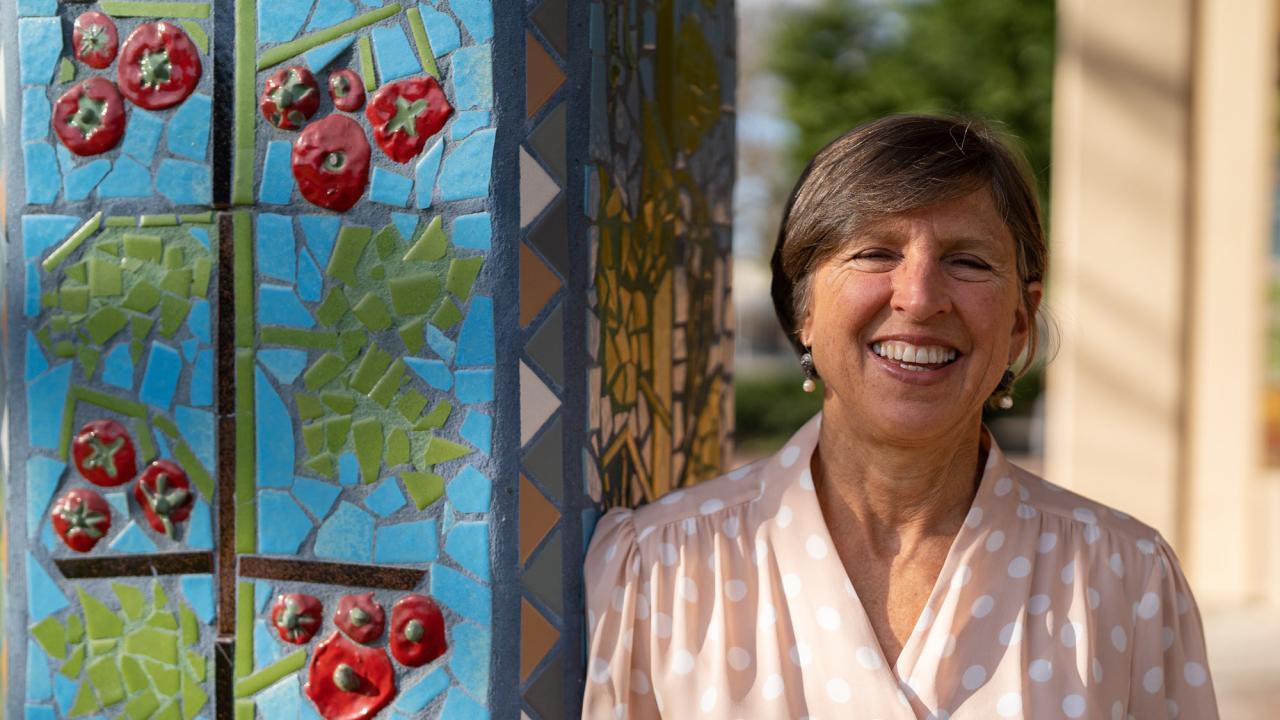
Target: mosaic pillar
[{"x": 330, "y": 328}]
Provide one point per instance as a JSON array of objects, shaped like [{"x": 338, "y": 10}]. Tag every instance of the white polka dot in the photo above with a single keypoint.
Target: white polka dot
[
  {"x": 816, "y": 547},
  {"x": 642, "y": 607},
  {"x": 789, "y": 456},
  {"x": 828, "y": 618},
  {"x": 1146, "y": 547},
  {"x": 1153, "y": 679},
  {"x": 766, "y": 616},
  {"x": 668, "y": 554},
  {"x": 838, "y": 690},
  {"x": 1070, "y": 633},
  {"x": 1040, "y": 670},
  {"x": 627, "y": 637},
  {"x": 646, "y": 532},
  {"x": 1168, "y": 637},
  {"x": 731, "y": 526},
  {"x": 708, "y": 701},
  {"x": 739, "y": 659},
  {"x": 591, "y": 618},
  {"x": 1009, "y": 705},
  {"x": 1026, "y": 512},
  {"x": 1020, "y": 567},
  {"x": 801, "y": 654},
  {"x": 735, "y": 590},
  {"x": 1038, "y": 604},
  {"x": 806, "y": 479},
  {"x": 639, "y": 682},
  {"x": 619, "y": 711},
  {"x": 1022, "y": 493},
  {"x": 1085, "y": 515},
  {"x": 619, "y": 600},
  {"x": 688, "y": 588},
  {"x": 1095, "y": 599},
  {"x": 983, "y": 606},
  {"x": 740, "y": 473},
  {"x": 710, "y": 506},
  {"x": 662, "y": 625},
  {"x": 962, "y": 577},
  {"x": 773, "y": 686},
  {"x": 974, "y": 518},
  {"x": 1073, "y": 706},
  {"x": 995, "y": 541},
  {"x": 672, "y": 498},
  {"x": 611, "y": 552},
  {"x": 1119, "y": 639},
  {"x": 689, "y": 526},
  {"x": 949, "y": 646},
  {"x": 682, "y": 662},
  {"x": 599, "y": 670},
  {"x": 1011, "y": 633},
  {"x": 762, "y": 552},
  {"x": 1069, "y": 572},
  {"x": 784, "y": 516},
  {"x": 1003, "y": 486},
  {"x": 791, "y": 584},
  {"x": 1092, "y": 533},
  {"x": 868, "y": 657},
  {"x": 1047, "y": 542},
  {"x": 1171, "y": 708},
  {"x": 974, "y": 677},
  {"x": 1117, "y": 711},
  {"x": 1183, "y": 603},
  {"x": 1149, "y": 606},
  {"x": 1117, "y": 564},
  {"x": 1097, "y": 670},
  {"x": 925, "y": 619},
  {"x": 1195, "y": 674}
]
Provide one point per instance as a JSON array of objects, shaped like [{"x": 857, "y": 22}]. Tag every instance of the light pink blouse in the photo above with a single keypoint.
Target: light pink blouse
[{"x": 727, "y": 600}]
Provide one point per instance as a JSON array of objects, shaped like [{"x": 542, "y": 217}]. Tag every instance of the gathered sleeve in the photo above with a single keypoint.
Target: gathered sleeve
[
  {"x": 1170, "y": 668},
  {"x": 618, "y": 656}
]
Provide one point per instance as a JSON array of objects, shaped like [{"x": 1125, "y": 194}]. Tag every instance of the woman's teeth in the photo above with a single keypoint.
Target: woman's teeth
[{"x": 913, "y": 357}]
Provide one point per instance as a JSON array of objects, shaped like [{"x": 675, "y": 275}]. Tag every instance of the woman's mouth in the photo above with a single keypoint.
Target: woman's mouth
[{"x": 916, "y": 358}]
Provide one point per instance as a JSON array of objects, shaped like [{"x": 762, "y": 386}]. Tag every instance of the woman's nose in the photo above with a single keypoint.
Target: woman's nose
[{"x": 919, "y": 288}]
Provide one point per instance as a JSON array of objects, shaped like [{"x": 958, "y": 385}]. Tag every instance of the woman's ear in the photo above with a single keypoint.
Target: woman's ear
[{"x": 1024, "y": 317}]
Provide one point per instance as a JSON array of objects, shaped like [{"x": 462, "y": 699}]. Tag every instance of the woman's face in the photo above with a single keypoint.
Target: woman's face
[{"x": 912, "y": 323}]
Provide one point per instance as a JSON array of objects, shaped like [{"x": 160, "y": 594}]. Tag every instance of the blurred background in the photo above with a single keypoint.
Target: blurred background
[{"x": 1151, "y": 126}]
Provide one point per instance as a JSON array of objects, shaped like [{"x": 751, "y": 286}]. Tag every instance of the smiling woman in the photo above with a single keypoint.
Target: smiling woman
[{"x": 890, "y": 561}]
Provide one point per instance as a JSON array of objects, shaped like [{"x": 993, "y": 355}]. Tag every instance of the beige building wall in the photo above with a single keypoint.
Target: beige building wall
[{"x": 1162, "y": 177}]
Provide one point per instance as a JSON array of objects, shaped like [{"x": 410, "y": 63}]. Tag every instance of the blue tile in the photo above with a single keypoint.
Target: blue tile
[
  {"x": 475, "y": 339},
  {"x": 274, "y": 428},
  {"x": 284, "y": 526},
  {"x": 189, "y": 349},
  {"x": 425, "y": 173},
  {"x": 128, "y": 179},
  {"x": 284, "y": 364},
  {"x": 420, "y": 695},
  {"x": 280, "y": 20},
  {"x": 407, "y": 543},
  {"x": 66, "y": 161},
  {"x": 277, "y": 176},
  {"x": 477, "y": 429},
  {"x": 201, "y": 393},
  {"x": 27, "y": 8},
  {"x": 329, "y": 13},
  {"x": 47, "y": 539},
  {"x": 590, "y": 517},
  {"x": 390, "y": 188},
  {"x": 80, "y": 182},
  {"x": 395, "y": 57},
  {"x": 36, "y": 114},
  {"x": 39, "y": 712},
  {"x": 460, "y": 593},
  {"x": 64, "y": 691},
  {"x": 200, "y": 527},
  {"x": 40, "y": 172},
  {"x": 434, "y": 372},
  {"x": 197, "y": 428},
  {"x": 468, "y": 544},
  {"x": 320, "y": 231},
  {"x": 142, "y": 135},
  {"x": 476, "y": 16},
  {"x": 198, "y": 320},
  {"x": 442, "y": 32},
  {"x": 472, "y": 78},
  {"x": 160, "y": 378},
  {"x": 261, "y": 594},
  {"x": 318, "y": 58},
  {"x": 185, "y": 183},
  {"x": 447, "y": 518},
  {"x": 200, "y": 234},
  {"x": 346, "y": 535},
  {"x": 470, "y": 491},
  {"x": 469, "y": 662},
  {"x": 44, "y": 598},
  {"x": 467, "y": 122},
  {"x": 39, "y": 47},
  {"x": 41, "y": 232},
  {"x": 39, "y": 684},
  {"x": 278, "y": 305},
  {"x": 189, "y": 128},
  {"x": 315, "y": 496},
  {"x": 117, "y": 368},
  {"x": 457, "y": 706},
  {"x": 162, "y": 446},
  {"x": 133, "y": 540},
  {"x": 386, "y": 498},
  {"x": 31, "y": 305},
  {"x": 473, "y": 232},
  {"x": 310, "y": 281},
  {"x": 36, "y": 362},
  {"x": 440, "y": 343},
  {"x": 198, "y": 590},
  {"x": 281, "y": 700},
  {"x": 406, "y": 223},
  {"x": 267, "y": 646},
  {"x": 46, "y": 398},
  {"x": 118, "y": 501},
  {"x": 276, "y": 249},
  {"x": 42, "y": 482},
  {"x": 474, "y": 386},
  {"x": 467, "y": 170},
  {"x": 348, "y": 469}
]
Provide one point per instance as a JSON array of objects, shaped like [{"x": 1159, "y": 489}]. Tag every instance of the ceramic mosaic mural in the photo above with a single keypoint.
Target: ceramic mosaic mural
[{"x": 296, "y": 297}]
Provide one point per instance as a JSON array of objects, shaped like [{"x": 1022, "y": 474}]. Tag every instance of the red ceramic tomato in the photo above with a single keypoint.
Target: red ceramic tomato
[
  {"x": 349, "y": 682},
  {"x": 81, "y": 518},
  {"x": 94, "y": 39},
  {"x": 89, "y": 117},
  {"x": 103, "y": 453},
  {"x": 405, "y": 113},
  {"x": 417, "y": 631},
  {"x": 159, "y": 66},
  {"x": 360, "y": 617},
  {"x": 164, "y": 492},
  {"x": 347, "y": 90},
  {"x": 297, "y": 617},
  {"x": 331, "y": 162},
  {"x": 290, "y": 98}
]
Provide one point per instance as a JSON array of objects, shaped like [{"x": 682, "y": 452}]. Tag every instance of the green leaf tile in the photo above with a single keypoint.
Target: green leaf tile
[
  {"x": 134, "y": 679},
  {"x": 85, "y": 702},
  {"x": 333, "y": 307},
  {"x": 158, "y": 596},
  {"x": 74, "y": 298},
  {"x": 164, "y": 620},
  {"x": 387, "y": 241},
  {"x": 173, "y": 312},
  {"x": 102, "y": 647},
  {"x": 352, "y": 241},
  {"x": 174, "y": 258},
  {"x": 64, "y": 349},
  {"x": 78, "y": 272},
  {"x": 367, "y": 434},
  {"x": 196, "y": 666},
  {"x": 101, "y": 622},
  {"x": 321, "y": 465},
  {"x": 153, "y": 643},
  {"x": 177, "y": 282},
  {"x": 201, "y": 271},
  {"x": 88, "y": 358},
  {"x": 140, "y": 327},
  {"x": 313, "y": 437},
  {"x": 52, "y": 637},
  {"x": 440, "y": 450},
  {"x": 386, "y": 388},
  {"x": 75, "y": 628},
  {"x": 110, "y": 247},
  {"x": 425, "y": 488},
  {"x": 413, "y": 294},
  {"x": 104, "y": 277},
  {"x": 437, "y": 417},
  {"x": 411, "y": 333},
  {"x": 462, "y": 275},
  {"x": 371, "y": 368},
  {"x": 309, "y": 407},
  {"x": 165, "y": 677},
  {"x": 72, "y": 667},
  {"x": 447, "y": 316},
  {"x": 194, "y": 697},
  {"x": 142, "y": 247},
  {"x": 411, "y": 404},
  {"x": 431, "y": 244},
  {"x": 339, "y": 401},
  {"x": 142, "y": 706},
  {"x": 105, "y": 323},
  {"x": 378, "y": 272},
  {"x": 168, "y": 712},
  {"x": 398, "y": 448},
  {"x": 324, "y": 370},
  {"x": 373, "y": 312},
  {"x": 352, "y": 342},
  {"x": 105, "y": 676},
  {"x": 336, "y": 430},
  {"x": 318, "y": 339},
  {"x": 142, "y": 297},
  {"x": 132, "y": 601}
]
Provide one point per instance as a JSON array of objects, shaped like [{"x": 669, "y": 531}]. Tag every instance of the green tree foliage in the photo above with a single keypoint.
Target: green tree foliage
[{"x": 846, "y": 62}]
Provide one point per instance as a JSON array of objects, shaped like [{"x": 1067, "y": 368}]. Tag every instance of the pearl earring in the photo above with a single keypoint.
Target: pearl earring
[
  {"x": 1005, "y": 390},
  {"x": 806, "y": 364}
]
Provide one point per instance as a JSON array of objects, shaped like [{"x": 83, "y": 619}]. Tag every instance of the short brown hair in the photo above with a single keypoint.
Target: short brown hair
[{"x": 898, "y": 164}]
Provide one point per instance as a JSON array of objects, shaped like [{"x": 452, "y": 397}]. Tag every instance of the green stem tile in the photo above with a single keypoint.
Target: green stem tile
[
  {"x": 425, "y": 53},
  {"x": 70, "y": 244},
  {"x": 155, "y": 221},
  {"x": 246, "y": 517},
  {"x": 246, "y": 106},
  {"x": 186, "y": 457},
  {"x": 271, "y": 674},
  {"x": 284, "y": 51},
  {"x": 198, "y": 36},
  {"x": 129, "y": 8},
  {"x": 244, "y": 280},
  {"x": 365, "y": 52},
  {"x": 310, "y": 339},
  {"x": 244, "y": 628}
]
